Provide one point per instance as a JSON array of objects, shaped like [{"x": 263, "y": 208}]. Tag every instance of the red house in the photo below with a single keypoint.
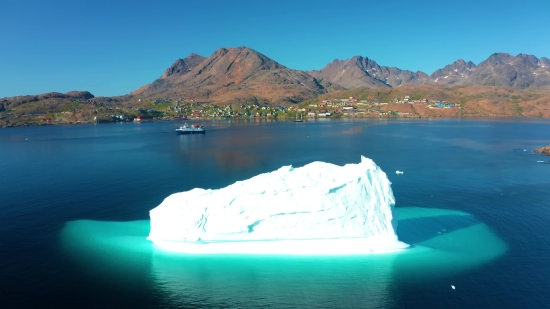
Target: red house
[{"x": 144, "y": 118}]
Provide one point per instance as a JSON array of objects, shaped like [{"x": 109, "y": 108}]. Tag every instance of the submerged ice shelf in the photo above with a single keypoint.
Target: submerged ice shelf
[
  {"x": 319, "y": 208},
  {"x": 443, "y": 243},
  {"x": 464, "y": 243}
]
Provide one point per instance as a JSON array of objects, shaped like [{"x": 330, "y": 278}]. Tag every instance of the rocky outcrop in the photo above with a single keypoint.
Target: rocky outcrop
[
  {"x": 83, "y": 95},
  {"x": 544, "y": 150}
]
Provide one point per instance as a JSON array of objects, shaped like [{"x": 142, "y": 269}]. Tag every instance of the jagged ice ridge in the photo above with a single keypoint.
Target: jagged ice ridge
[{"x": 320, "y": 208}]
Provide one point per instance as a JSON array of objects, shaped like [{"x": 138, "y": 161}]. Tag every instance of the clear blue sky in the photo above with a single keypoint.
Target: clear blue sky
[{"x": 114, "y": 47}]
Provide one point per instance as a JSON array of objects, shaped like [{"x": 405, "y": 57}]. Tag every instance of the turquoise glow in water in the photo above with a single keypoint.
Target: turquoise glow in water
[{"x": 444, "y": 242}]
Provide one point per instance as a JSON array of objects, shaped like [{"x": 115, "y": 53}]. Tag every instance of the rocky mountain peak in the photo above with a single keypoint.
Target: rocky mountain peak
[
  {"x": 528, "y": 60},
  {"x": 360, "y": 71},
  {"x": 183, "y": 66},
  {"x": 499, "y": 58},
  {"x": 453, "y": 73}
]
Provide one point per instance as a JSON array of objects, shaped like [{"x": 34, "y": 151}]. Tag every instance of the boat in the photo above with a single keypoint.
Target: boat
[
  {"x": 298, "y": 120},
  {"x": 187, "y": 129}
]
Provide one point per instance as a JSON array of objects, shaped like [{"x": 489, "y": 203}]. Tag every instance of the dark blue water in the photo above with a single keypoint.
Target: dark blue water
[{"x": 53, "y": 175}]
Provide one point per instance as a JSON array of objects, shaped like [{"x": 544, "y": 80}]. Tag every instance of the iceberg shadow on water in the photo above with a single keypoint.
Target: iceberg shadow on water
[{"x": 421, "y": 229}]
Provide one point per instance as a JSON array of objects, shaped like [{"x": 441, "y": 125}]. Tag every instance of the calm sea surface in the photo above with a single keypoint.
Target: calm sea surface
[{"x": 51, "y": 176}]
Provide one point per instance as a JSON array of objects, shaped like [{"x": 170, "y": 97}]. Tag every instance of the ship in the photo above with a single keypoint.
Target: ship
[{"x": 187, "y": 129}]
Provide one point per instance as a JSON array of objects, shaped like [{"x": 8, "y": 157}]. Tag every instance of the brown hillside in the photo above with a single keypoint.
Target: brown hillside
[
  {"x": 236, "y": 74},
  {"x": 476, "y": 101}
]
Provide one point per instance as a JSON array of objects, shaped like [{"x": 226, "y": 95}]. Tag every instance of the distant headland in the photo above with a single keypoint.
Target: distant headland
[{"x": 544, "y": 150}]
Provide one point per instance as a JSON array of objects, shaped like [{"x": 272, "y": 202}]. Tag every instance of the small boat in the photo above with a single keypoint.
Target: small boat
[
  {"x": 187, "y": 129},
  {"x": 298, "y": 120}
]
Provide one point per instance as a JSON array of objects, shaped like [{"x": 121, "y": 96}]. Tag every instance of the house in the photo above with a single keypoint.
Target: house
[{"x": 145, "y": 118}]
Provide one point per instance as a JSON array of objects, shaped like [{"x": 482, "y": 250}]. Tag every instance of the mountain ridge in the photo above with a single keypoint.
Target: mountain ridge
[
  {"x": 500, "y": 69},
  {"x": 243, "y": 74}
]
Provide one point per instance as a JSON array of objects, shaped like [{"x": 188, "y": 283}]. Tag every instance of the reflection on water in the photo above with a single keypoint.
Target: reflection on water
[{"x": 445, "y": 242}]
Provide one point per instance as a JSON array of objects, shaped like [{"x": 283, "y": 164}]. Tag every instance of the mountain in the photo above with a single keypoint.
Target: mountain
[
  {"x": 232, "y": 75},
  {"x": 183, "y": 66},
  {"x": 178, "y": 68},
  {"x": 502, "y": 69},
  {"x": 364, "y": 72},
  {"x": 453, "y": 73}
]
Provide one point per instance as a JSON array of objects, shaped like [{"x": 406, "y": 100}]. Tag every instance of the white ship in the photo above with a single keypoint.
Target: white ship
[{"x": 187, "y": 129}]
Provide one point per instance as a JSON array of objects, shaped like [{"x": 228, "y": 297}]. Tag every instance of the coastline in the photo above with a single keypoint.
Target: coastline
[{"x": 282, "y": 119}]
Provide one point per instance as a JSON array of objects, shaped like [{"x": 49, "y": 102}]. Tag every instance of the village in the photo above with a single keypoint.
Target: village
[
  {"x": 92, "y": 111},
  {"x": 352, "y": 106},
  {"x": 338, "y": 107}
]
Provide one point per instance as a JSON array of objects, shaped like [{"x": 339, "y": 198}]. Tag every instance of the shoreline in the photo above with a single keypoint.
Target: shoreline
[{"x": 282, "y": 119}]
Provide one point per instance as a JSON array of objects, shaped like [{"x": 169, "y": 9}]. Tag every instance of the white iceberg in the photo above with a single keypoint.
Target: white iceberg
[{"x": 319, "y": 208}]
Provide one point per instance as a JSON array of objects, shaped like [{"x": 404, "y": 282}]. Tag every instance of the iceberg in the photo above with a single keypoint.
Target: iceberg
[{"x": 320, "y": 208}]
